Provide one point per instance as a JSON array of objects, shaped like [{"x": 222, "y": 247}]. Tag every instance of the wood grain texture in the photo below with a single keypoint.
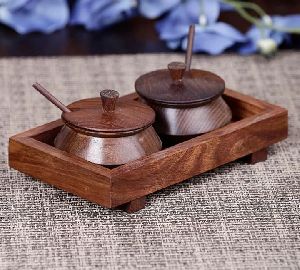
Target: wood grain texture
[
  {"x": 126, "y": 117},
  {"x": 110, "y": 133},
  {"x": 186, "y": 102},
  {"x": 259, "y": 125},
  {"x": 197, "y": 88},
  {"x": 90, "y": 103},
  {"x": 60, "y": 169},
  {"x": 178, "y": 122},
  {"x": 266, "y": 126},
  {"x": 192, "y": 121},
  {"x": 108, "y": 151}
]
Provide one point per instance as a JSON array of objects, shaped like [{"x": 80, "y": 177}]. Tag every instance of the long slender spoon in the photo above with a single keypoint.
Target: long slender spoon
[
  {"x": 189, "y": 49},
  {"x": 50, "y": 97}
]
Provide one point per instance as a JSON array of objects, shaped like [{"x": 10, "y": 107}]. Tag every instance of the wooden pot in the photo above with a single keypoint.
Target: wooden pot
[
  {"x": 113, "y": 134},
  {"x": 186, "y": 102}
]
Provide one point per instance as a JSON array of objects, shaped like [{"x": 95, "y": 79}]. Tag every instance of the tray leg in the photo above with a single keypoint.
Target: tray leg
[
  {"x": 135, "y": 205},
  {"x": 258, "y": 156}
]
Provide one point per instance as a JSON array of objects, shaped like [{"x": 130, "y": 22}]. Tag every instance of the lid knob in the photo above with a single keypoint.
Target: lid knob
[
  {"x": 176, "y": 71},
  {"x": 109, "y": 99}
]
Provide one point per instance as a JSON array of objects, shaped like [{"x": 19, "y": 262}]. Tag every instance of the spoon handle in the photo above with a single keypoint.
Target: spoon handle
[
  {"x": 189, "y": 49},
  {"x": 51, "y": 98}
]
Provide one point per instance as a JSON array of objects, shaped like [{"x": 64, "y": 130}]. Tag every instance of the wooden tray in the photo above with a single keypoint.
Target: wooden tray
[{"x": 257, "y": 125}]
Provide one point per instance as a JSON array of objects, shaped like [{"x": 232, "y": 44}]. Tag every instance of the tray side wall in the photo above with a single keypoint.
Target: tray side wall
[
  {"x": 72, "y": 175},
  {"x": 199, "y": 155}
]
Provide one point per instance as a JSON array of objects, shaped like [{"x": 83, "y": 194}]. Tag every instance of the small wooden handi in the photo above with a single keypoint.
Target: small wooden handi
[
  {"x": 50, "y": 97},
  {"x": 189, "y": 49}
]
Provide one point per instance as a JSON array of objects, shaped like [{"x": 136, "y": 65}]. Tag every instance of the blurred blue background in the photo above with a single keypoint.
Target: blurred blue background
[{"x": 79, "y": 27}]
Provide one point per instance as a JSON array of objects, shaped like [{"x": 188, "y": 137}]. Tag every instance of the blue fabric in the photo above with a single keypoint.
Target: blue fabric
[{"x": 34, "y": 15}]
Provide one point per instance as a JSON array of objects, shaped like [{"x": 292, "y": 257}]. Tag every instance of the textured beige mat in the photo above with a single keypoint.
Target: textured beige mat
[{"x": 235, "y": 217}]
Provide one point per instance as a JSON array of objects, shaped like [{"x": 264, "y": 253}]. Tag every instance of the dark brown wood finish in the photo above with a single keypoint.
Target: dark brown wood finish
[
  {"x": 32, "y": 152},
  {"x": 187, "y": 103},
  {"x": 109, "y": 151},
  {"x": 258, "y": 125},
  {"x": 93, "y": 102},
  {"x": 218, "y": 112},
  {"x": 109, "y": 99},
  {"x": 113, "y": 135},
  {"x": 135, "y": 205},
  {"x": 197, "y": 88},
  {"x": 127, "y": 117},
  {"x": 191, "y": 121},
  {"x": 177, "y": 71},
  {"x": 203, "y": 153},
  {"x": 258, "y": 156},
  {"x": 189, "y": 50},
  {"x": 106, "y": 134},
  {"x": 186, "y": 88},
  {"x": 50, "y": 97}
]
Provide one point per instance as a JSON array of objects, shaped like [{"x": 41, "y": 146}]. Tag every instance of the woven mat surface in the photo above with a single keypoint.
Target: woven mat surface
[{"x": 235, "y": 217}]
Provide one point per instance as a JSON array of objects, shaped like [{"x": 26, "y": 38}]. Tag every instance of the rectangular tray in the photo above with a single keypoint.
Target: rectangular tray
[{"x": 256, "y": 125}]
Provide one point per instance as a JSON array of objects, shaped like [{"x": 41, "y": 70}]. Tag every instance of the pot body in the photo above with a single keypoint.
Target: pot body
[
  {"x": 188, "y": 121},
  {"x": 110, "y": 151}
]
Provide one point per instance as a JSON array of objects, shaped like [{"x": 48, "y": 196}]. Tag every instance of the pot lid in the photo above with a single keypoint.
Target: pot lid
[
  {"x": 112, "y": 117},
  {"x": 177, "y": 87}
]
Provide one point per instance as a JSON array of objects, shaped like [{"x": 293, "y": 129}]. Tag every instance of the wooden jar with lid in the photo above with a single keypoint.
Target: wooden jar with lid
[
  {"x": 187, "y": 101},
  {"x": 113, "y": 134}
]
